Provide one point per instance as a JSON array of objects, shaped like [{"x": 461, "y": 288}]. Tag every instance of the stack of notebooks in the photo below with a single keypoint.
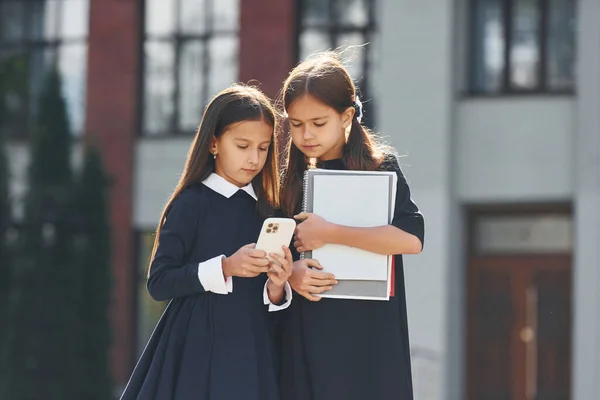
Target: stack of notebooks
[{"x": 357, "y": 199}]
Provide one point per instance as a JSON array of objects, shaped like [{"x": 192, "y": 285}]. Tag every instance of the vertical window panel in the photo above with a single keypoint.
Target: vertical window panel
[
  {"x": 353, "y": 54},
  {"x": 160, "y": 17},
  {"x": 525, "y": 45},
  {"x": 488, "y": 54},
  {"x": 312, "y": 41},
  {"x": 191, "y": 84},
  {"x": 72, "y": 64},
  {"x": 223, "y": 63},
  {"x": 375, "y": 60},
  {"x": 12, "y": 17},
  {"x": 192, "y": 16},
  {"x": 159, "y": 85},
  {"x": 560, "y": 69},
  {"x": 74, "y": 18},
  {"x": 226, "y": 15},
  {"x": 352, "y": 12},
  {"x": 315, "y": 12},
  {"x": 44, "y": 19}
]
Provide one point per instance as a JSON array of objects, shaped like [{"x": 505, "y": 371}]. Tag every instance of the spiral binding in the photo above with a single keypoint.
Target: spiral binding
[{"x": 304, "y": 199}]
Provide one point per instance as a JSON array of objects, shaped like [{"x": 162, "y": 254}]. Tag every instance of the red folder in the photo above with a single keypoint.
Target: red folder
[{"x": 393, "y": 278}]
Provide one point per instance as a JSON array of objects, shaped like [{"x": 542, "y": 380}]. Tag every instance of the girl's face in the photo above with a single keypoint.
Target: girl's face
[
  {"x": 242, "y": 151},
  {"x": 318, "y": 130}
]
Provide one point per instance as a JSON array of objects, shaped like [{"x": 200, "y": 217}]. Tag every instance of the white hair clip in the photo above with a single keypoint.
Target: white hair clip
[{"x": 358, "y": 108}]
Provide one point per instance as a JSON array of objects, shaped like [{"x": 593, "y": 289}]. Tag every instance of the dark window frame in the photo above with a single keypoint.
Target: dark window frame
[
  {"x": 543, "y": 87},
  {"x": 178, "y": 39},
  {"x": 333, "y": 28},
  {"x": 26, "y": 46}
]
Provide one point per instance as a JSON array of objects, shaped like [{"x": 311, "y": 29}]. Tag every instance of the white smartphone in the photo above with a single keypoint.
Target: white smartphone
[{"x": 275, "y": 233}]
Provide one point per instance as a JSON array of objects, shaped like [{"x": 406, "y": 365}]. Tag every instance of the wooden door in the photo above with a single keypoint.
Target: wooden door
[{"x": 519, "y": 331}]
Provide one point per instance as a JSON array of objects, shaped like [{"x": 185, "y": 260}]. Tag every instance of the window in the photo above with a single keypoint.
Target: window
[
  {"x": 522, "y": 46},
  {"x": 332, "y": 24},
  {"x": 521, "y": 234},
  {"x": 36, "y": 35},
  {"x": 148, "y": 310},
  {"x": 190, "y": 54}
]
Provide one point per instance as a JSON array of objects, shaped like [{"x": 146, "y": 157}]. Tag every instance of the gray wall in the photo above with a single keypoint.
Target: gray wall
[
  {"x": 586, "y": 337},
  {"x": 415, "y": 111},
  {"x": 512, "y": 149}
]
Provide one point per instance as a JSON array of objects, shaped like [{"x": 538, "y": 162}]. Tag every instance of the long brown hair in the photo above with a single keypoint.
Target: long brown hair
[
  {"x": 235, "y": 104},
  {"x": 324, "y": 77}
]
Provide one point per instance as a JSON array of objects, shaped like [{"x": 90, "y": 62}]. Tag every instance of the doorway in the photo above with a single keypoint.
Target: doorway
[{"x": 519, "y": 307}]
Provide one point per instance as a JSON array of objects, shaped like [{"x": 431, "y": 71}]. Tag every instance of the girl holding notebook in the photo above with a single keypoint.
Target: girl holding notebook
[
  {"x": 333, "y": 348},
  {"x": 215, "y": 339}
]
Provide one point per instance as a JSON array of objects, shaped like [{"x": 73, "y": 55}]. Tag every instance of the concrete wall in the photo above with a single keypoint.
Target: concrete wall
[
  {"x": 414, "y": 83},
  {"x": 515, "y": 149},
  {"x": 586, "y": 342}
]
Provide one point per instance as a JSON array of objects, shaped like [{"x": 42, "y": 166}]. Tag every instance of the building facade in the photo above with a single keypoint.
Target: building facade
[{"x": 494, "y": 104}]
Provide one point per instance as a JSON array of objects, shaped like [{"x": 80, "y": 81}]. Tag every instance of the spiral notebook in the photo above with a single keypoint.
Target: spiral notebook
[{"x": 358, "y": 199}]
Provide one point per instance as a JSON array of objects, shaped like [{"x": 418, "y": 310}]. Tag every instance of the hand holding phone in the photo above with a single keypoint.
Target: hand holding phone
[
  {"x": 281, "y": 268},
  {"x": 247, "y": 262},
  {"x": 275, "y": 233}
]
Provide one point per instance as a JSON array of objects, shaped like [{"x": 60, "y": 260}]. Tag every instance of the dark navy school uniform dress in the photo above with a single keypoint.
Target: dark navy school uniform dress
[
  {"x": 352, "y": 349},
  {"x": 215, "y": 339}
]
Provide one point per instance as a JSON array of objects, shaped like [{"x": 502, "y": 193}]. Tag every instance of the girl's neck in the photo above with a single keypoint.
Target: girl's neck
[{"x": 333, "y": 154}]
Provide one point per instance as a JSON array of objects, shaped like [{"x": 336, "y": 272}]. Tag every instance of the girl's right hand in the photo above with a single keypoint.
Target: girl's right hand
[
  {"x": 247, "y": 262},
  {"x": 307, "y": 282}
]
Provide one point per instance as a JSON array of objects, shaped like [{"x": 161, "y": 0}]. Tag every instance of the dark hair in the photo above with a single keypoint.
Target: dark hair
[
  {"x": 324, "y": 77},
  {"x": 235, "y": 104}
]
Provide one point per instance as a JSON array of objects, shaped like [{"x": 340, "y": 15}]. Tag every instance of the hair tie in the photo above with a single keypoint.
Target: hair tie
[{"x": 358, "y": 109}]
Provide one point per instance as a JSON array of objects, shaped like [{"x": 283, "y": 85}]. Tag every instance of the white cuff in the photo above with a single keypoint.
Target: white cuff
[
  {"x": 210, "y": 273},
  {"x": 287, "y": 294}
]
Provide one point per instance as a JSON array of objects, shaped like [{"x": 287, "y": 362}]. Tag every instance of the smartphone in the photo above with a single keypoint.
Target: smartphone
[{"x": 275, "y": 233}]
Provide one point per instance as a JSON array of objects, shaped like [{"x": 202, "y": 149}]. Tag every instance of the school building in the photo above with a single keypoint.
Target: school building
[{"x": 494, "y": 103}]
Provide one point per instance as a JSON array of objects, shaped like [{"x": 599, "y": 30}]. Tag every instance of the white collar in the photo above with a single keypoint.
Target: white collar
[{"x": 226, "y": 188}]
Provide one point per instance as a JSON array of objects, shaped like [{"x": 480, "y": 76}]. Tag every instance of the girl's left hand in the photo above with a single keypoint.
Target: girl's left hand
[
  {"x": 281, "y": 269},
  {"x": 311, "y": 233}
]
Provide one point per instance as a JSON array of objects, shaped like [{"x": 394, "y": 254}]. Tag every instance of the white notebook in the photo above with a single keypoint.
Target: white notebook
[{"x": 358, "y": 199}]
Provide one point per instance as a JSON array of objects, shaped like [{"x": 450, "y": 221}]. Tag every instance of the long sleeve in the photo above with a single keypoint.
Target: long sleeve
[
  {"x": 170, "y": 276},
  {"x": 210, "y": 274},
  {"x": 406, "y": 213},
  {"x": 287, "y": 296}
]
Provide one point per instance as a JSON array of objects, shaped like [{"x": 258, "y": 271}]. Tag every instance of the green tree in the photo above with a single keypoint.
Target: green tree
[
  {"x": 10, "y": 82},
  {"x": 42, "y": 321},
  {"x": 5, "y": 254},
  {"x": 7, "y": 81},
  {"x": 93, "y": 258}
]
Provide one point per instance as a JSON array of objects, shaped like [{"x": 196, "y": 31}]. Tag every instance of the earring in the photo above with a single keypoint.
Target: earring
[{"x": 215, "y": 155}]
